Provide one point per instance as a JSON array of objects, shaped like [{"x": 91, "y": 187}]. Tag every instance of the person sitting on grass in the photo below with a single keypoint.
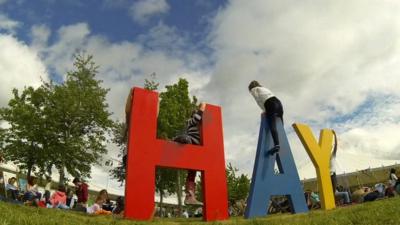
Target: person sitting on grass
[
  {"x": 107, "y": 205},
  {"x": 47, "y": 189},
  {"x": 339, "y": 193},
  {"x": 312, "y": 199},
  {"x": 32, "y": 194},
  {"x": 70, "y": 198},
  {"x": 394, "y": 181},
  {"x": 120, "y": 206},
  {"x": 272, "y": 107},
  {"x": 12, "y": 189},
  {"x": 96, "y": 207},
  {"x": 58, "y": 199}
]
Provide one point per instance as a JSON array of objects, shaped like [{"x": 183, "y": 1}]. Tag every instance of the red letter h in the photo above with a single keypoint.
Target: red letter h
[{"x": 145, "y": 152}]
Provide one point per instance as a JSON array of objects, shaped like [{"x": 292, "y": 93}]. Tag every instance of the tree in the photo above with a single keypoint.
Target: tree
[
  {"x": 24, "y": 139},
  {"x": 175, "y": 108},
  {"x": 79, "y": 119},
  {"x": 2, "y": 132},
  {"x": 238, "y": 186},
  {"x": 119, "y": 138}
]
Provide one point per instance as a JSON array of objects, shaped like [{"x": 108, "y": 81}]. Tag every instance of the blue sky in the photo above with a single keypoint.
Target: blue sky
[
  {"x": 112, "y": 19},
  {"x": 332, "y": 64}
]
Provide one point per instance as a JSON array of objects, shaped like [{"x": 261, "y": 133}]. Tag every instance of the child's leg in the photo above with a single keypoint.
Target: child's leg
[
  {"x": 190, "y": 198},
  {"x": 274, "y": 110},
  {"x": 191, "y": 176},
  {"x": 274, "y": 131}
]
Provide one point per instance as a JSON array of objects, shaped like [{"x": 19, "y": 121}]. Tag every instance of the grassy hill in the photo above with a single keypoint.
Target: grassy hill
[
  {"x": 358, "y": 179},
  {"x": 378, "y": 212}
]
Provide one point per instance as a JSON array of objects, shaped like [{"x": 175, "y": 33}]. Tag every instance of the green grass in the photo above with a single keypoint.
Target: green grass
[{"x": 378, "y": 212}]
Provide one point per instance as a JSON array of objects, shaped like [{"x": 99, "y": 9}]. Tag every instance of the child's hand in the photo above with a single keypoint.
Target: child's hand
[{"x": 202, "y": 106}]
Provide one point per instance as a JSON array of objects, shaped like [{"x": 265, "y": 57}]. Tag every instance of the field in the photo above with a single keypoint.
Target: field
[{"x": 378, "y": 212}]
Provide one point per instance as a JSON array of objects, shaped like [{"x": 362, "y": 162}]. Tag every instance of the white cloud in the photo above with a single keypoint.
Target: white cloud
[
  {"x": 40, "y": 35},
  {"x": 323, "y": 60},
  {"x": 7, "y": 24},
  {"x": 19, "y": 67},
  {"x": 70, "y": 39},
  {"x": 122, "y": 64},
  {"x": 142, "y": 10}
]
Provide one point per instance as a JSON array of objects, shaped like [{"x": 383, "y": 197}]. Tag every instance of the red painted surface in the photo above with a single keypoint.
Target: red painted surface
[{"x": 146, "y": 152}]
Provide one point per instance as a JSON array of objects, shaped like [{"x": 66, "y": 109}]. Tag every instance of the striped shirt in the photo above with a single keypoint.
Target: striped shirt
[{"x": 192, "y": 127}]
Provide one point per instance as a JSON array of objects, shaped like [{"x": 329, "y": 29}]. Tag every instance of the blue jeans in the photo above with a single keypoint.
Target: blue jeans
[
  {"x": 344, "y": 195},
  {"x": 30, "y": 196}
]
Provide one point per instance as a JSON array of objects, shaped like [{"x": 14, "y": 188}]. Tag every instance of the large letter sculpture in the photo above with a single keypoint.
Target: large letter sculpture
[
  {"x": 265, "y": 183},
  {"x": 320, "y": 154},
  {"x": 146, "y": 152}
]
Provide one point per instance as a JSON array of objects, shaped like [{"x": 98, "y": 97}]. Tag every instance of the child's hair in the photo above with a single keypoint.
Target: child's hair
[
  {"x": 103, "y": 194},
  {"x": 99, "y": 198},
  {"x": 76, "y": 180},
  {"x": 254, "y": 84},
  {"x": 12, "y": 180},
  {"x": 31, "y": 180},
  {"x": 61, "y": 188}
]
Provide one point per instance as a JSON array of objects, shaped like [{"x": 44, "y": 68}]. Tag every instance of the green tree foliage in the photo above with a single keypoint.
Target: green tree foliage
[
  {"x": 62, "y": 125},
  {"x": 119, "y": 138},
  {"x": 79, "y": 119},
  {"x": 175, "y": 108},
  {"x": 238, "y": 186},
  {"x": 25, "y": 138}
]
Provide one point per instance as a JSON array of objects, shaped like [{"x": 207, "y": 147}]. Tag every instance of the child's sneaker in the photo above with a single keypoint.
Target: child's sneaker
[{"x": 274, "y": 150}]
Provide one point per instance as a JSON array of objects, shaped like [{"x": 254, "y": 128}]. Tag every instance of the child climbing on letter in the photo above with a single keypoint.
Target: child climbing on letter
[
  {"x": 272, "y": 108},
  {"x": 192, "y": 136}
]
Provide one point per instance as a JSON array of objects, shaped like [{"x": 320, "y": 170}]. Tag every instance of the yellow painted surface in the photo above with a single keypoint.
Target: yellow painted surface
[{"x": 320, "y": 154}]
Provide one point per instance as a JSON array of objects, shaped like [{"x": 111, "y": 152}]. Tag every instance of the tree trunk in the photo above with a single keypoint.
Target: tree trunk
[
  {"x": 29, "y": 171},
  {"x": 161, "y": 203},
  {"x": 62, "y": 175},
  {"x": 30, "y": 163},
  {"x": 179, "y": 192}
]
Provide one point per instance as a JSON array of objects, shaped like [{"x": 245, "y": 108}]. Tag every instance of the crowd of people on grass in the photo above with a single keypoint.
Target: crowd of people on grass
[{"x": 62, "y": 197}]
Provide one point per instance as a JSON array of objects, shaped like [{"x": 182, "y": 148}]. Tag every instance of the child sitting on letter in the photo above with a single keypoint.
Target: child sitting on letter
[
  {"x": 192, "y": 136},
  {"x": 272, "y": 108}
]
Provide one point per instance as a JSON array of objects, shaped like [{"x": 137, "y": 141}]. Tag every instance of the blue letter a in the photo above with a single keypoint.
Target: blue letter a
[{"x": 265, "y": 182}]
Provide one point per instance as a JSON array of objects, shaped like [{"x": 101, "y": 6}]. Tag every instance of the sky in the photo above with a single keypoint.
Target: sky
[{"x": 333, "y": 64}]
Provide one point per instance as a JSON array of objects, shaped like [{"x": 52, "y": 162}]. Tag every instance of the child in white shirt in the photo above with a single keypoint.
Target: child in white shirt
[{"x": 272, "y": 107}]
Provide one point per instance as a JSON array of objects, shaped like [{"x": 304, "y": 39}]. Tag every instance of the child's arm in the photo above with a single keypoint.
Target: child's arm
[{"x": 197, "y": 116}]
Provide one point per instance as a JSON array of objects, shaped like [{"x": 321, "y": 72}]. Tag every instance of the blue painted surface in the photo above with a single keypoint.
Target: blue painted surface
[{"x": 265, "y": 183}]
